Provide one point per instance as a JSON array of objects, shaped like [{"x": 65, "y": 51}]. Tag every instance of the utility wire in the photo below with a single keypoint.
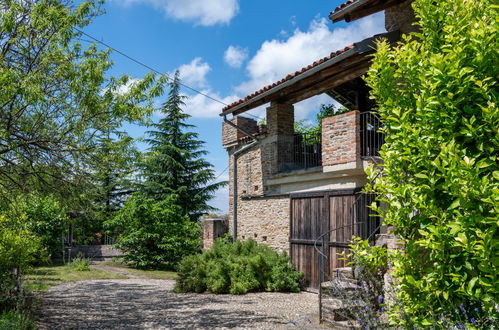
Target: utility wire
[
  {"x": 154, "y": 70},
  {"x": 148, "y": 67},
  {"x": 215, "y": 179}
]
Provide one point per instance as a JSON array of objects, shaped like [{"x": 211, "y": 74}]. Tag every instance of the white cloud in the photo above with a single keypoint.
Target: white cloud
[
  {"x": 122, "y": 90},
  {"x": 274, "y": 60},
  {"x": 235, "y": 56},
  {"x": 195, "y": 72},
  {"x": 277, "y": 58},
  {"x": 201, "y": 12},
  {"x": 200, "y": 106}
]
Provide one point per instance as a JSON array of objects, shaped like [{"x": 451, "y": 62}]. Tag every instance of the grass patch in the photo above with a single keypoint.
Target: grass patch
[
  {"x": 42, "y": 278},
  {"x": 152, "y": 274},
  {"x": 15, "y": 321}
]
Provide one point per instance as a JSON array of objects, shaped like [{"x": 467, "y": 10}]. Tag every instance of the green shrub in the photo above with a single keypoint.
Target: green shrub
[
  {"x": 437, "y": 95},
  {"x": 155, "y": 234},
  {"x": 47, "y": 219},
  {"x": 15, "y": 321},
  {"x": 368, "y": 261},
  {"x": 80, "y": 263},
  {"x": 237, "y": 268},
  {"x": 19, "y": 249}
]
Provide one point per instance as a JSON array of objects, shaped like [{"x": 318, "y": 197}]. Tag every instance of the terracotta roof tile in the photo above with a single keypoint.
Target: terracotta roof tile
[
  {"x": 289, "y": 76},
  {"x": 343, "y": 5}
]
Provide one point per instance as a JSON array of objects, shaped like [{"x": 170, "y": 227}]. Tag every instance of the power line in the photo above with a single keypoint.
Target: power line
[
  {"x": 148, "y": 67},
  {"x": 215, "y": 179},
  {"x": 154, "y": 70}
]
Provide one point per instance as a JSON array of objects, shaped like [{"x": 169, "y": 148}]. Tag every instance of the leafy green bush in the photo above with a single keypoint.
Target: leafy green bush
[
  {"x": 437, "y": 95},
  {"x": 155, "y": 234},
  {"x": 15, "y": 321},
  {"x": 47, "y": 219},
  {"x": 237, "y": 268},
  {"x": 80, "y": 263},
  {"x": 19, "y": 248},
  {"x": 369, "y": 260}
]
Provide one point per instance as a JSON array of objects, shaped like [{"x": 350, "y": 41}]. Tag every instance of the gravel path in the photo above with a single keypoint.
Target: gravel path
[{"x": 150, "y": 304}]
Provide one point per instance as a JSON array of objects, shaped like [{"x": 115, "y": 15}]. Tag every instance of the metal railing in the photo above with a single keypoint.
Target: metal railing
[
  {"x": 370, "y": 133},
  {"x": 307, "y": 150}
]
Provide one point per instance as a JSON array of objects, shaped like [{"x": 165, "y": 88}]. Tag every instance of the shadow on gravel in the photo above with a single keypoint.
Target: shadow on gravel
[{"x": 113, "y": 305}]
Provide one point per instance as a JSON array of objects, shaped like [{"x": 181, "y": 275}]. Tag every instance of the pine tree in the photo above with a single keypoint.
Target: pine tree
[
  {"x": 174, "y": 163},
  {"x": 115, "y": 164}
]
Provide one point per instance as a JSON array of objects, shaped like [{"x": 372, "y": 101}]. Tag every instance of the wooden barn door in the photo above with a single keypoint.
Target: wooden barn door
[
  {"x": 308, "y": 221},
  {"x": 313, "y": 214},
  {"x": 342, "y": 216}
]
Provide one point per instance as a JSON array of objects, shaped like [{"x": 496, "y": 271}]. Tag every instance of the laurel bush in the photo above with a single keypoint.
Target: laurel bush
[{"x": 437, "y": 95}]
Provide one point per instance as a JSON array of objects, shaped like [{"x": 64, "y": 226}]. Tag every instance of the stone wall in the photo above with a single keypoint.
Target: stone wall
[
  {"x": 231, "y": 135},
  {"x": 341, "y": 139},
  {"x": 260, "y": 217},
  {"x": 400, "y": 17},
  {"x": 95, "y": 252},
  {"x": 265, "y": 220},
  {"x": 213, "y": 229}
]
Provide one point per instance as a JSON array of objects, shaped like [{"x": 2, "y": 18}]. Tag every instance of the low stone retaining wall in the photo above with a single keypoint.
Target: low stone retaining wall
[{"x": 94, "y": 252}]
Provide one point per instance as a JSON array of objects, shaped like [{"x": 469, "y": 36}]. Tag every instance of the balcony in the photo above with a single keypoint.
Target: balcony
[
  {"x": 350, "y": 139},
  {"x": 371, "y": 137},
  {"x": 307, "y": 150}
]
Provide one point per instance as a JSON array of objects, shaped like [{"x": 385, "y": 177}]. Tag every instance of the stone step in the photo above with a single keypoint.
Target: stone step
[
  {"x": 336, "y": 286},
  {"x": 342, "y": 325},
  {"x": 345, "y": 312},
  {"x": 343, "y": 273}
]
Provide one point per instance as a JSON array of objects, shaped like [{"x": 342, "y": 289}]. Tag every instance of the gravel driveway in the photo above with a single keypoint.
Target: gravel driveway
[{"x": 150, "y": 304}]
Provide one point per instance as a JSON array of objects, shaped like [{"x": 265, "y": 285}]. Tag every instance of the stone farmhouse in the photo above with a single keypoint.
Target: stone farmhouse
[{"x": 287, "y": 189}]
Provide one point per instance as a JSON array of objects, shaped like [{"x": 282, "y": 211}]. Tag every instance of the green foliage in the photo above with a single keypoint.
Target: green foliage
[
  {"x": 15, "y": 321},
  {"x": 46, "y": 218},
  {"x": 304, "y": 126},
  {"x": 371, "y": 260},
  {"x": 80, "y": 263},
  {"x": 57, "y": 95},
  {"x": 237, "y": 268},
  {"x": 19, "y": 248},
  {"x": 115, "y": 163},
  {"x": 155, "y": 234},
  {"x": 174, "y": 163},
  {"x": 437, "y": 95}
]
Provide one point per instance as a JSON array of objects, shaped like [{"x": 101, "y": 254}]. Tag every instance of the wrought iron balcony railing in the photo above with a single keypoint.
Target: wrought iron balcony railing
[{"x": 371, "y": 137}]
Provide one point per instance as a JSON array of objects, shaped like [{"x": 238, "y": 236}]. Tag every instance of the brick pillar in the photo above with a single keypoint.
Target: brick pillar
[
  {"x": 231, "y": 135},
  {"x": 400, "y": 17},
  {"x": 213, "y": 229},
  {"x": 341, "y": 139},
  {"x": 280, "y": 128}
]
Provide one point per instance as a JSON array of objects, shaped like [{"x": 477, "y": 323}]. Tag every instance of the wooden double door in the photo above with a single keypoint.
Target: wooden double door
[{"x": 337, "y": 215}]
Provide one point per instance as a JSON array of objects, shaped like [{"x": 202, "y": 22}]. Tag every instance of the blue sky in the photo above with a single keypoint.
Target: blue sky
[{"x": 225, "y": 48}]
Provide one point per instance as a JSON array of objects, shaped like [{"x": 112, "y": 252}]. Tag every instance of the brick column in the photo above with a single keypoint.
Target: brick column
[
  {"x": 341, "y": 140},
  {"x": 280, "y": 128},
  {"x": 213, "y": 229},
  {"x": 231, "y": 135}
]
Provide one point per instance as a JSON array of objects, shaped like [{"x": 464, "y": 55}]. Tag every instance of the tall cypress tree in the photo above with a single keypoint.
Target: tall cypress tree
[{"x": 174, "y": 162}]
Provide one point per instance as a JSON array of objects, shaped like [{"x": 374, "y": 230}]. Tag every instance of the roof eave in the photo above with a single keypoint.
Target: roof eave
[
  {"x": 340, "y": 14},
  {"x": 292, "y": 81},
  {"x": 365, "y": 46}
]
